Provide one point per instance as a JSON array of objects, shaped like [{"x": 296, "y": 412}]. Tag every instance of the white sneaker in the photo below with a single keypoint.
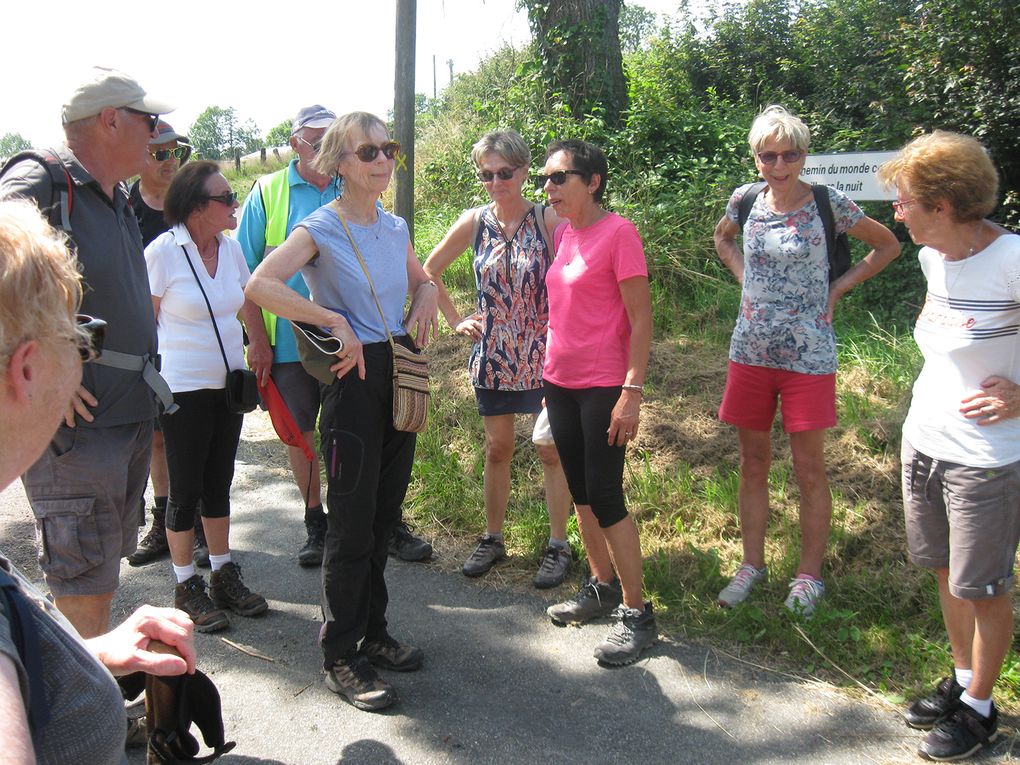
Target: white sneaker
[
  {"x": 804, "y": 596},
  {"x": 740, "y": 585}
]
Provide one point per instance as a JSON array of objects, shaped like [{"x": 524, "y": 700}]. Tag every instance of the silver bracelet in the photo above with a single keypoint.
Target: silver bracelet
[{"x": 639, "y": 388}]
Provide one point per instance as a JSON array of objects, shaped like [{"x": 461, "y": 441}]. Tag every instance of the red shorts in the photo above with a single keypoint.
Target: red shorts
[{"x": 749, "y": 401}]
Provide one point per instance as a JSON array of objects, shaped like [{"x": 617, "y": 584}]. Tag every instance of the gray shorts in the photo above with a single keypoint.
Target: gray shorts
[
  {"x": 300, "y": 392},
  {"x": 86, "y": 493},
  {"x": 966, "y": 519}
]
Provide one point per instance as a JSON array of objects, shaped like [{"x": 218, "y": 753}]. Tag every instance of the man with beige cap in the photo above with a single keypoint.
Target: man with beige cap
[{"x": 86, "y": 490}]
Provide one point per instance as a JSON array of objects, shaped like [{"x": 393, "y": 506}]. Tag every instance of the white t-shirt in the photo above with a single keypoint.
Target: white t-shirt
[
  {"x": 187, "y": 343},
  {"x": 967, "y": 331}
]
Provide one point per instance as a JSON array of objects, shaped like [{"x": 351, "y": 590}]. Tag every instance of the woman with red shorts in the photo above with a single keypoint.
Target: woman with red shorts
[{"x": 783, "y": 348}]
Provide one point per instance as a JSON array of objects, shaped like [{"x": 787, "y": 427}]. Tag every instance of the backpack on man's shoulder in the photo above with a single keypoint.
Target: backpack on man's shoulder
[
  {"x": 58, "y": 211},
  {"x": 836, "y": 245}
]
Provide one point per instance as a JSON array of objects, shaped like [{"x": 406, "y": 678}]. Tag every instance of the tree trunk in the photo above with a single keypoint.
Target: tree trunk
[{"x": 579, "y": 43}]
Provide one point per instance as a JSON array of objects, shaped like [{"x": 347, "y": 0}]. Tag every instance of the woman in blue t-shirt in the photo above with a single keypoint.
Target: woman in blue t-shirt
[{"x": 368, "y": 461}]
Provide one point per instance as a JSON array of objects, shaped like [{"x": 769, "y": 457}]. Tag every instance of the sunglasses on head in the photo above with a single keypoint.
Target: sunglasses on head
[
  {"x": 320, "y": 338},
  {"x": 152, "y": 118},
  {"x": 504, "y": 174},
  {"x": 367, "y": 152},
  {"x": 162, "y": 155},
  {"x": 224, "y": 199},
  {"x": 558, "y": 178},
  {"x": 92, "y": 332},
  {"x": 770, "y": 157}
]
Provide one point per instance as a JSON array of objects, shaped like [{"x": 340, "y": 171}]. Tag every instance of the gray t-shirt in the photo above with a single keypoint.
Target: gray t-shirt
[
  {"x": 87, "y": 720},
  {"x": 109, "y": 247},
  {"x": 337, "y": 282}
]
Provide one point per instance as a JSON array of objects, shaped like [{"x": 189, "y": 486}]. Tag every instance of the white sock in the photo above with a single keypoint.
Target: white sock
[
  {"x": 184, "y": 573},
  {"x": 219, "y": 561},
  {"x": 963, "y": 676},
  {"x": 983, "y": 706}
]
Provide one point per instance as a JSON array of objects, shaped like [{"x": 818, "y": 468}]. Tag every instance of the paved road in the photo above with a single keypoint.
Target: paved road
[{"x": 500, "y": 684}]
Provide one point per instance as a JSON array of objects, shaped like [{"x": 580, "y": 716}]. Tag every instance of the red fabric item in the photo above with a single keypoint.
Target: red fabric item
[{"x": 283, "y": 420}]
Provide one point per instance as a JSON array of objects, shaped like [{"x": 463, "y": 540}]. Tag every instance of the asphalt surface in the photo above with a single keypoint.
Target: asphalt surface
[{"x": 500, "y": 683}]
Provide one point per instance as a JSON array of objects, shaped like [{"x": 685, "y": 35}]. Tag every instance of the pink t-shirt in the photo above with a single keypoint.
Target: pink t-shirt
[{"x": 589, "y": 332}]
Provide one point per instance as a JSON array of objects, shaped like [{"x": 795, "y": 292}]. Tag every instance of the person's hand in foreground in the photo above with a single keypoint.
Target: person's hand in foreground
[{"x": 125, "y": 649}]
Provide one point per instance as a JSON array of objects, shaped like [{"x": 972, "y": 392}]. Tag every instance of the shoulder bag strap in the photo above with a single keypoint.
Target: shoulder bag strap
[{"x": 212, "y": 318}]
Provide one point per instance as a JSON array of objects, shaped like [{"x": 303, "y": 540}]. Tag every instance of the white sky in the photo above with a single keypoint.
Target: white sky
[{"x": 254, "y": 56}]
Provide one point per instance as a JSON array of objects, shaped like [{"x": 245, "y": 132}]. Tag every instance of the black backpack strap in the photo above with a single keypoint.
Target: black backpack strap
[
  {"x": 58, "y": 211},
  {"x": 26, "y": 642},
  {"x": 821, "y": 194},
  {"x": 747, "y": 201}
]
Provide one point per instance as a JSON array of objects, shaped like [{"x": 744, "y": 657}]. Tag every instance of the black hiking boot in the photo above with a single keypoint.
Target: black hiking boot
[
  {"x": 153, "y": 545},
  {"x": 315, "y": 525}
]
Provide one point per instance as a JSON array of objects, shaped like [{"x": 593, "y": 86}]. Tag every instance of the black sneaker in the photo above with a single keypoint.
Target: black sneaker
[
  {"x": 633, "y": 633},
  {"x": 961, "y": 733},
  {"x": 153, "y": 545},
  {"x": 406, "y": 546},
  {"x": 388, "y": 653},
  {"x": 924, "y": 713},
  {"x": 356, "y": 680},
  {"x": 593, "y": 600},
  {"x": 200, "y": 553},
  {"x": 191, "y": 598},
  {"x": 311, "y": 553},
  {"x": 553, "y": 568},
  {"x": 227, "y": 590},
  {"x": 488, "y": 552}
]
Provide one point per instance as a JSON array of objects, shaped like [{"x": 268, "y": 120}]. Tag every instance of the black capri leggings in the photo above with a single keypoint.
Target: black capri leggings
[
  {"x": 579, "y": 419},
  {"x": 201, "y": 444}
]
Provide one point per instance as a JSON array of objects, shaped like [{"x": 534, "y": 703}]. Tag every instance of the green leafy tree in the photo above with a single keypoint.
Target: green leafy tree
[
  {"x": 12, "y": 143},
  {"x": 279, "y": 135},
  {"x": 637, "y": 25},
  {"x": 217, "y": 134}
]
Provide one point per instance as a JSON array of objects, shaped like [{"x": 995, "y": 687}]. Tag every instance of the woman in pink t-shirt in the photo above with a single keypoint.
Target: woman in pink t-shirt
[{"x": 600, "y": 328}]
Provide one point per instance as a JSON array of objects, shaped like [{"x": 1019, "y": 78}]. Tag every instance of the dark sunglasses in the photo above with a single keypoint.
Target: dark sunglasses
[
  {"x": 770, "y": 157},
  {"x": 316, "y": 147},
  {"x": 558, "y": 178},
  {"x": 367, "y": 152},
  {"x": 92, "y": 332},
  {"x": 152, "y": 118},
  {"x": 162, "y": 155},
  {"x": 320, "y": 338},
  {"x": 224, "y": 199},
  {"x": 504, "y": 174}
]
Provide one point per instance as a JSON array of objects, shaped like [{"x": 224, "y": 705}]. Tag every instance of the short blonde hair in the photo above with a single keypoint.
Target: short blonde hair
[
  {"x": 778, "y": 123},
  {"x": 40, "y": 286},
  {"x": 950, "y": 167},
  {"x": 506, "y": 143},
  {"x": 334, "y": 142}
]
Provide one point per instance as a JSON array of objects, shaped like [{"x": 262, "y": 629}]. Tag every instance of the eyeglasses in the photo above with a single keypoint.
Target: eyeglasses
[
  {"x": 367, "y": 152},
  {"x": 770, "y": 157},
  {"x": 316, "y": 147},
  {"x": 91, "y": 333},
  {"x": 504, "y": 174},
  {"x": 152, "y": 118},
  {"x": 162, "y": 155},
  {"x": 320, "y": 338},
  {"x": 558, "y": 178},
  {"x": 901, "y": 204},
  {"x": 224, "y": 199}
]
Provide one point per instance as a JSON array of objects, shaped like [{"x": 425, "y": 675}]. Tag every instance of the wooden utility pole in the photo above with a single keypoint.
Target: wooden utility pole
[{"x": 403, "y": 111}]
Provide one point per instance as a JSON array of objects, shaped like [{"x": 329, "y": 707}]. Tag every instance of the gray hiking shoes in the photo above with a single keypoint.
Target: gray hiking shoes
[
  {"x": 488, "y": 552},
  {"x": 635, "y": 631},
  {"x": 553, "y": 568},
  {"x": 593, "y": 600}
]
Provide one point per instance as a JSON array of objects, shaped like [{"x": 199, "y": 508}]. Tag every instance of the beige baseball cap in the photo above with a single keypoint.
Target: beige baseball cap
[{"x": 109, "y": 87}]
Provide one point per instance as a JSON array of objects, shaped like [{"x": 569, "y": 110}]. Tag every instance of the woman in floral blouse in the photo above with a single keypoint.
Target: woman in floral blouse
[
  {"x": 783, "y": 346},
  {"x": 512, "y": 249}
]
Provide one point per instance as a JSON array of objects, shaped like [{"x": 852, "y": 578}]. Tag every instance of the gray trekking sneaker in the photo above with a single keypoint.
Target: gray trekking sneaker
[
  {"x": 356, "y": 680},
  {"x": 804, "y": 596},
  {"x": 740, "y": 585},
  {"x": 388, "y": 653},
  {"x": 227, "y": 590},
  {"x": 191, "y": 598},
  {"x": 593, "y": 600},
  {"x": 633, "y": 633},
  {"x": 489, "y": 551},
  {"x": 554, "y": 567}
]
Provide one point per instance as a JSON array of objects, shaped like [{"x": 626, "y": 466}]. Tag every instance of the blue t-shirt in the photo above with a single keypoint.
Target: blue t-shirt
[
  {"x": 337, "y": 281},
  {"x": 251, "y": 233}
]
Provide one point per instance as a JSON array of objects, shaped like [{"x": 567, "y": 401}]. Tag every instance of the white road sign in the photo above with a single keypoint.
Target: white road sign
[{"x": 854, "y": 174}]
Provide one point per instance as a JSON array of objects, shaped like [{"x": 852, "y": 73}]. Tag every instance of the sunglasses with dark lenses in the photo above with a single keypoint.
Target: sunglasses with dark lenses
[
  {"x": 770, "y": 157},
  {"x": 504, "y": 174},
  {"x": 153, "y": 118},
  {"x": 162, "y": 155},
  {"x": 558, "y": 178},
  {"x": 316, "y": 147},
  {"x": 224, "y": 199},
  {"x": 367, "y": 152},
  {"x": 92, "y": 332},
  {"x": 320, "y": 338}
]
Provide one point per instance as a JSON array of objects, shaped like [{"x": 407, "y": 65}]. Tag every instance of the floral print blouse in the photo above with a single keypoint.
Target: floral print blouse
[
  {"x": 781, "y": 323},
  {"x": 513, "y": 304}
]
